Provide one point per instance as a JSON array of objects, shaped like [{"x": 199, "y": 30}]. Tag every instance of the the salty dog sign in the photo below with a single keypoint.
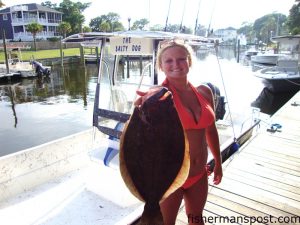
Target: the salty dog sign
[{"x": 131, "y": 46}]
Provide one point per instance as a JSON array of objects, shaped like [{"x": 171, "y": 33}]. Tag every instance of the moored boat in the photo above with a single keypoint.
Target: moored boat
[
  {"x": 284, "y": 75},
  {"x": 67, "y": 178}
]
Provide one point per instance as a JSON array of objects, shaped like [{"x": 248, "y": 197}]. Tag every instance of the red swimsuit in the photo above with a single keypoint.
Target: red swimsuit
[{"x": 207, "y": 117}]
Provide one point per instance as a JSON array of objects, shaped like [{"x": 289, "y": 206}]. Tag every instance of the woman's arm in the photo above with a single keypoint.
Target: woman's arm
[
  {"x": 212, "y": 139},
  {"x": 212, "y": 136}
]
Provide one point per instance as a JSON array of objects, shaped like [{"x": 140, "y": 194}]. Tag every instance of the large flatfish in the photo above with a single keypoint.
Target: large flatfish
[{"x": 154, "y": 157}]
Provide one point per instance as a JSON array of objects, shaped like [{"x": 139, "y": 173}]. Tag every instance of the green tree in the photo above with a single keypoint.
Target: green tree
[
  {"x": 72, "y": 13},
  {"x": 157, "y": 27},
  {"x": 175, "y": 28},
  {"x": 95, "y": 23},
  {"x": 293, "y": 21},
  {"x": 269, "y": 25},
  {"x": 34, "y": 28},
  {"x": 49, "y": 4},
  {"x": 112, "y": 19},
  {"x": 140, "y": 24},
  {"x": 64, "y": 28},
  {"x": 86, "y": 29},
  {"x": 105, "y": 27}
]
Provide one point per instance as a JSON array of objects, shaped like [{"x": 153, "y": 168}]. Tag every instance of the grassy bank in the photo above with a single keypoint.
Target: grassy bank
[{"x": 43, "y": 54}]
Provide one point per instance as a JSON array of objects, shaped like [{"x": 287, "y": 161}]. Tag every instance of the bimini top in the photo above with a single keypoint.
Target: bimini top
[{"x": 158, "y": 35}]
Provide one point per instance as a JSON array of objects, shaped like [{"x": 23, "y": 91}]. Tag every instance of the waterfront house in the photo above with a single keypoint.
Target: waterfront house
[
  {"x": 226, "y": 35},
  {"x": 14, "y": 20}
]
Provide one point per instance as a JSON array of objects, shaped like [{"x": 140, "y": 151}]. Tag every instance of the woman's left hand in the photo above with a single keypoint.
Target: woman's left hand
[{"x": 218, "y": 174}]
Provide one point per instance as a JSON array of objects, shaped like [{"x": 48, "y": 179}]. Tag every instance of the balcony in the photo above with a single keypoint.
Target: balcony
[{"x": 25, "y": 21}]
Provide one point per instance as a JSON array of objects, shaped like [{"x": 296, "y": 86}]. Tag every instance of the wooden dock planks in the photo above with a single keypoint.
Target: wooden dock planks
[{"x": 262, "y": 180}]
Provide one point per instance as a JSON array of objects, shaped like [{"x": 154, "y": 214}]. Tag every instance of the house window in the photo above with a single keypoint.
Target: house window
[{"x": 5, "y": 17}]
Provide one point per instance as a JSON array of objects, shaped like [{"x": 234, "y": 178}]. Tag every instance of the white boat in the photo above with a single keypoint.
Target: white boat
[
  {"x": 17, "y": 67},
  {"x": 267, "y": 58},
  {"x": 76, "y": 179},
  {"x": 284, "y": 75}
]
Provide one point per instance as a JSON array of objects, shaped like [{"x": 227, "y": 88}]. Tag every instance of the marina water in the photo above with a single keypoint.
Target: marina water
[{"x": 35, "y": 111}]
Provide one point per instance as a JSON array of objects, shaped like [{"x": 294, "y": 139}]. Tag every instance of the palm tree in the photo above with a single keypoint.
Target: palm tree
[
  {"x": 34, "y": 28},
  {"x": 64, "y": 28}
]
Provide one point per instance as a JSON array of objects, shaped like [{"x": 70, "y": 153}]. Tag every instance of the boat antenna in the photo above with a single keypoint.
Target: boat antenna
[
  {"x": 221, "y": 74},
  {"x": 168, "y": 16},
  {"x": 196, "y": 25},
  {"x": 211, "y": 15},
  {"x": 183, "y": 11}
]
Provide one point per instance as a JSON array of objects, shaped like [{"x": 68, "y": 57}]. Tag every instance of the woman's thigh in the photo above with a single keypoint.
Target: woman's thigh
[
  {"x": 195, "y": 198},
  {"x": 170, "y": 207}
]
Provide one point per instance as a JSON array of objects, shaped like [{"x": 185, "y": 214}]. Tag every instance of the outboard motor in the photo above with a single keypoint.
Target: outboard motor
[
  {"x": 40, "y": 69},
  {"x": 220, "y": 103}
]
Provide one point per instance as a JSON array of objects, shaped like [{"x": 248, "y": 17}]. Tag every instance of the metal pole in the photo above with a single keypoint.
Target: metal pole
[{"x": 168, "y": 16}]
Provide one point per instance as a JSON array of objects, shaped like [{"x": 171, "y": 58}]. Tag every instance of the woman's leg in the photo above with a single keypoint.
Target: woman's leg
[
  {"x": 170, "y": 207},
  {"x": 195, "y": 199}
]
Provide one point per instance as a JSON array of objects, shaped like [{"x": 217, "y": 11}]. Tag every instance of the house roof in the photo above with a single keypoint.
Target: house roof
[{"x": 32, "y": 7}]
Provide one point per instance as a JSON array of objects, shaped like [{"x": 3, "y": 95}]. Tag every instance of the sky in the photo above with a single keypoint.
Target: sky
[{"x": 218, "y": 14}]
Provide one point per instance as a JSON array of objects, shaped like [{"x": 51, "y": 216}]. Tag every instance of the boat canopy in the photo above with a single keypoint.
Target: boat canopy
[{"x": 126, "y": 64}]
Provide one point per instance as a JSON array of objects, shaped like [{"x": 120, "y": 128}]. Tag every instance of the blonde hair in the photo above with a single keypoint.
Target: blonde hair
[{"x": 169, "y": 43}]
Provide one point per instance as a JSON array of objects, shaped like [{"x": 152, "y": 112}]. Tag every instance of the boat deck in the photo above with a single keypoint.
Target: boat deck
[{"x": 261, "y": 182}]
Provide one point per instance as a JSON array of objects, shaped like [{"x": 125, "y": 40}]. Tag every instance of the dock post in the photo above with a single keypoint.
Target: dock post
[
  {"x": 127, "y": 58},
  {"x": 5, "y": 51},
  {"x": 238, "y": 51},
  {"x": 81, "y": 54},
  {"x": 61, "y": 54}
]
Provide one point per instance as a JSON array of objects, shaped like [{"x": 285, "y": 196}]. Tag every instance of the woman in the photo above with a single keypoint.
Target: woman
[{"x": 195, "y": 107}]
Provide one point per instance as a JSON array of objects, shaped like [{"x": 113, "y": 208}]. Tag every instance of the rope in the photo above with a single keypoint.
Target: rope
[{"x": 221, "y": 74}]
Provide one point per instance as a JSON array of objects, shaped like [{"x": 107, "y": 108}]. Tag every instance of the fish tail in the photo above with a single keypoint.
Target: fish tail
[{"x": 151, "y": 215}]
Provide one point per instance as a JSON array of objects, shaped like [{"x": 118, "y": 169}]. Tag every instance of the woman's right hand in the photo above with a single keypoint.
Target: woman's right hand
[
  {"x": 139, "y": 101},
  {"x": 144, "y": 95}
]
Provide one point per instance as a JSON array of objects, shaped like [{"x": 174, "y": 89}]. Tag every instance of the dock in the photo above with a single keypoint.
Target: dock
[
  {"x": 65, "y": 182},
  {"x": 261, "y": 183}
]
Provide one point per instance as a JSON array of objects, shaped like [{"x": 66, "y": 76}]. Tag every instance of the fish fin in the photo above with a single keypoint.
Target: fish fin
[
  {"x": 151, "y": 215},
  {"x": 123, "y": 169}
]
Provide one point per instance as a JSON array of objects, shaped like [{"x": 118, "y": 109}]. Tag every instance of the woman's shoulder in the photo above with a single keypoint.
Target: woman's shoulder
[{"x": 206, "y": 92}]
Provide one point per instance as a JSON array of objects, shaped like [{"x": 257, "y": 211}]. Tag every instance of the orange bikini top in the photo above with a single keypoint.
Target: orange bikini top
[{"x": 207, "y": 115}]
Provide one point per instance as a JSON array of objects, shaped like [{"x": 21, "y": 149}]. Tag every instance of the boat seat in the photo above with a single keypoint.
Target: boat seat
[{"x": 113, "y": 145}]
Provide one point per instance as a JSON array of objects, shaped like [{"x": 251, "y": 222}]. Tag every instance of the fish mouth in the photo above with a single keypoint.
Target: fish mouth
[{"x": 165, "y": 96}]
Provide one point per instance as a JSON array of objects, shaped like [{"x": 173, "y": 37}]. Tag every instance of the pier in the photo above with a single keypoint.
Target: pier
[{"x": 261, "y": 183}]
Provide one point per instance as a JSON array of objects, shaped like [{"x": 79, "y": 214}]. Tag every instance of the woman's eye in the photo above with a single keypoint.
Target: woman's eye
[{"x": 168, "y": 61}]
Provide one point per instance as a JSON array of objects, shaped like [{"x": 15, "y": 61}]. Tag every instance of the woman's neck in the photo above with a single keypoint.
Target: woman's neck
[{"x": 179, "y": 85}]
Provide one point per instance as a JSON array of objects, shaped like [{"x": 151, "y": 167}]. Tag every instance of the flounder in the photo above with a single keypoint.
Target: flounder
[{"x": 154, "y": 156}]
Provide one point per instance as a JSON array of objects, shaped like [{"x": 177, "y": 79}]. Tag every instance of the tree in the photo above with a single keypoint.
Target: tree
[
  {"x": 86, "y": 29},
  {"x": 34, "y": 28},
  {"x": 140, "y": 24},
  {"x": 64, "y": 28},
  {"x": 112, "y": 19},
  {"x": 72, "y": 13},
  {"x": 49, "y": 5},
  {"x": 105, "y": 27},
  {"x": 293, "y": 21},
  {"x": 269, "y": 25}
]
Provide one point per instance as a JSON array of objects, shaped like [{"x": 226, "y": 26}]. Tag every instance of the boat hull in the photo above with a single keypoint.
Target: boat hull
[{"x": 280, "y": 78}]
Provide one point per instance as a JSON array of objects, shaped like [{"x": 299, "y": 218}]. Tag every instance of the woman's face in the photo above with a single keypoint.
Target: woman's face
[{"x": 174, "y": 62}]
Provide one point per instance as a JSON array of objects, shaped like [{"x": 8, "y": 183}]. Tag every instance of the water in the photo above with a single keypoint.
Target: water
[{"x": 35, "y": 111}]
